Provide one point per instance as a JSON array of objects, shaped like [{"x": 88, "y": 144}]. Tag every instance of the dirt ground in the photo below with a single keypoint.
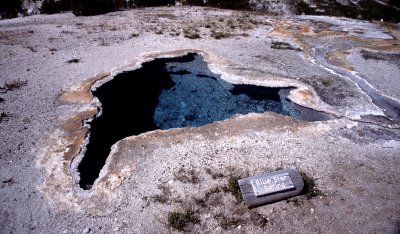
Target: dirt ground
[{"x": 347, "y": 69}]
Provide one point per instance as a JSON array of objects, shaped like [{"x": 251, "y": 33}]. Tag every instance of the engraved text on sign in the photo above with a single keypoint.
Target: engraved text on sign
[{"x": 272, "y": 184}]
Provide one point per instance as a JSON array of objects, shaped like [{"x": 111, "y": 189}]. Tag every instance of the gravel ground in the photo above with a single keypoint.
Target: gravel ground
[{"x": 49, "y": 63}]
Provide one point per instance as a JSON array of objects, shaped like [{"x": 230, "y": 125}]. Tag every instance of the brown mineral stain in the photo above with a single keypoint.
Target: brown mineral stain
[
  {"x": 306, "y": 96},
  {"x": 81, "y": 93},
  {"x": 75, "y": 132}
]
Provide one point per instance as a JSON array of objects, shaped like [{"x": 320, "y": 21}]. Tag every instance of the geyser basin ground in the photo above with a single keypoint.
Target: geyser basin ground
[
  {"x": 168, "y": 93},
  {"x": 355, "y": 165}
]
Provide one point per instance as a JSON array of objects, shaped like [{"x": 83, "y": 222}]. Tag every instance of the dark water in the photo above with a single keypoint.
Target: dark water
[{"x": 168, "y": 93}]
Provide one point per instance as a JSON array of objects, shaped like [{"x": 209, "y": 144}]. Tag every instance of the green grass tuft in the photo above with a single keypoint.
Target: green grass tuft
[
  {"x": 180, "y": 221},
  {"x": 233, "y": 188}
]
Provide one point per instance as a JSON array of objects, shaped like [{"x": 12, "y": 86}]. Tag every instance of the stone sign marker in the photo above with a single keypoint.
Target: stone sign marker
[{"x": 271, "y": 187}]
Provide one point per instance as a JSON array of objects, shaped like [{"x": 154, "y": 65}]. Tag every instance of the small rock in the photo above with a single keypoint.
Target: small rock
[
  {"x": 312, "y": 211},
  {"x": 239, "y": 227}
]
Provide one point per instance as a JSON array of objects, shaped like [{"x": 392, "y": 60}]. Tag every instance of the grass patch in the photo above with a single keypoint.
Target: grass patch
[
  {"x": 74, "y": 60},
  {"x": 220, "y": 35},
  {"x": 180, "y": 220},
  {"x": 13, "y": 85},
  {"x": 233, "y": 188},
  {"x": 281, "y": 45},
  {"x": 187, "y": 176},
  {"x": 191, "y": 33},
  {"x": 310, "y": 190}
]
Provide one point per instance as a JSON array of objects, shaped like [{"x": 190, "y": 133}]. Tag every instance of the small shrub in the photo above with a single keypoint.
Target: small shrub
[
  {"x": 303, "y": 8},
  {"x": 220, "y": 35},
  {"x": 10, "y": 8},
  {"x": 55, "y": 6},
  {"x": 150, "y": 3},
  {"x": 92, "y": 7},
  {"x": 193, "y": 2},
  {"x": 230, "y": 4},
  {"x": 191, "y": 33},
  {"x": 180, "y": 221}
]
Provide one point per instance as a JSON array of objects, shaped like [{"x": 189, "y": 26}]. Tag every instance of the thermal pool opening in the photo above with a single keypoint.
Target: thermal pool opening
[{"x": 169, "y": 93}]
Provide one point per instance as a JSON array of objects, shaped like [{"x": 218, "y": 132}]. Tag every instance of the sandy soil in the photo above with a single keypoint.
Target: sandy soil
[{"x": 49, "y": 63}]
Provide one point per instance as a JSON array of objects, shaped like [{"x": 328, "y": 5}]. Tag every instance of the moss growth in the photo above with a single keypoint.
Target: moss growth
[{"x": 180, "y": 220}]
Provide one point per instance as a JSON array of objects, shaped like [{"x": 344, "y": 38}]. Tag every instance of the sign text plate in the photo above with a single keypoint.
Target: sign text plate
[{"x": 272, "y": 184}]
